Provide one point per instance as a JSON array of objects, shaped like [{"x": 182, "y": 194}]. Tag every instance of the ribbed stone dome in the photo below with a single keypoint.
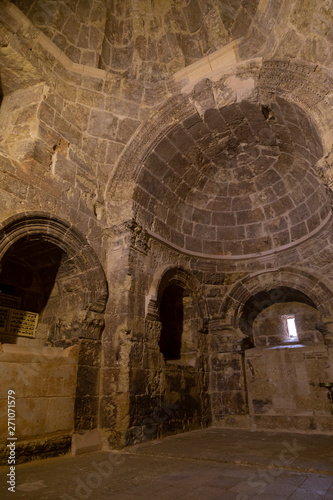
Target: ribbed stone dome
[{"x": 236, "y": 181}]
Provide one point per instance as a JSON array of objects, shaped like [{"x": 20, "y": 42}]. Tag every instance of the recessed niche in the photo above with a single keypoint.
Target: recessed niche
[
  {"x": 36, "y": 271},
  {"x": 286, "y": 323},
  {"x": 171, "y": 316}
]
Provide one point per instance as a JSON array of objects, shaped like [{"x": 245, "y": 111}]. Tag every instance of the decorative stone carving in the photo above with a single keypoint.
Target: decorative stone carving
[
  {"x": 139, "y": 237},
  {"x": 325, "y": 170},
  {"x": 153, "y": 331},
  {"x": 152, "y": 309}
]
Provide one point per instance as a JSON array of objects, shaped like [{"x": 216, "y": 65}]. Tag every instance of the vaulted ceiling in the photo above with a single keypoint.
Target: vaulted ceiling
[{"x": 235, "y": 181}]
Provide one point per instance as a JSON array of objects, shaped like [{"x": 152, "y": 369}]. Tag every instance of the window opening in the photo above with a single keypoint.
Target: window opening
[{"x": 291, "y": 328}]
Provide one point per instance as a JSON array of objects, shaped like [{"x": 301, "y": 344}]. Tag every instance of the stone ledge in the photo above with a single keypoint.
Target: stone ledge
[
  {"x": 265, "y": 257},
  {"x": 219, "y": 60},
  {"x": 311, "y": 348},
  {"x": 46, "y": 447},
  {"x": 13, "y": 353}
]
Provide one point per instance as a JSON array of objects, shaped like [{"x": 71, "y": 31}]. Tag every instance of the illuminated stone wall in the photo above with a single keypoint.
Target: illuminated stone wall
[
  {"x": 44, "y": 383},
  {"x": 283, "y": 387},
  {"x": 154, "y": 144}
]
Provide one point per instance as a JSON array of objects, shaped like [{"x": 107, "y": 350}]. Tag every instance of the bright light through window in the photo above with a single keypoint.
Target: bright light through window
[{"x": 292, "y": 328}]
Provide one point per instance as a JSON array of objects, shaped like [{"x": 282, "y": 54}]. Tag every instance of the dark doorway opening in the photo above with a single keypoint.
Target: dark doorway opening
[
  {"x": 29, "y": 271},
  {"x": 171, "y": 316}
]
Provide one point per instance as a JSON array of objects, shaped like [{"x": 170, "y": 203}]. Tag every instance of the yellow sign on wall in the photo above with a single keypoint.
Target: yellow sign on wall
[{"x": 19, "y": 323}]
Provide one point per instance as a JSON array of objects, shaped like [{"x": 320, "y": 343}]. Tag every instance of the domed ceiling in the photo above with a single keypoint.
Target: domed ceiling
[{"x": 236, "y": 181}]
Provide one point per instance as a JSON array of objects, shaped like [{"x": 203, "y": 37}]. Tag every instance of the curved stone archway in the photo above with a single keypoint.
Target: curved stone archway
[
  {"x": 308, "y": 85},
  {"x": 169, "y": 275},
  {"x": 293, "y": 279},
  {"x": 232, "y": 169},
  {"x": 73, "y": 310},
  {"x": 177, "y": 346},
  {"x": 44, "y": 227}
]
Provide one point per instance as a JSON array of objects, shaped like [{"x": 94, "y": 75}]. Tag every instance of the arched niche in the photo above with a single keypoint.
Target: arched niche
[
  {"x": 175, "y": 303},
  {"x": 288, "y": 323},
  {"x": 178, "y": 350},
  {"x": 54, "y": 272},
  {"x": 298, "y": 82},
  {"x": 220, "y": 179},
  {"x": 279, "y": 316},
  {"x": 256, "y": 293}
]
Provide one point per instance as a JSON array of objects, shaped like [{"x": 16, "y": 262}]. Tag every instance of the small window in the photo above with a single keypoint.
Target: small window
[{"x": 291, "y": 328}]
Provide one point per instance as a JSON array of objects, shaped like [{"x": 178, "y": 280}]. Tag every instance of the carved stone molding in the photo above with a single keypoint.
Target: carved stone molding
[{"x": 139, "y": 237}]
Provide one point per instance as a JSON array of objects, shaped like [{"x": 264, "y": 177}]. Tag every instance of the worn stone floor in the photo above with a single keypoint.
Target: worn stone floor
[{"x": 208, "y": 464}]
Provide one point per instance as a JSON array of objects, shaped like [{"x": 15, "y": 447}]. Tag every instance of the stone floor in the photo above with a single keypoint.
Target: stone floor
[{"x": 206, "y": 464}]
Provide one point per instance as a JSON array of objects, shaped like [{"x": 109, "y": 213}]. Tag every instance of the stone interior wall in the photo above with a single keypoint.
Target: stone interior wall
[
  {"x": 187, "y": 141},
  {"x": 44, "y": 382},
  {"x": 77, "y": 29},
  {"x": 151, "y": 396},
  {"x": 228, "y": 389},
  {"x": 283, "y": 387},
  {"x": 56, "y": 274},
  {"x": 165, "y": 396}
]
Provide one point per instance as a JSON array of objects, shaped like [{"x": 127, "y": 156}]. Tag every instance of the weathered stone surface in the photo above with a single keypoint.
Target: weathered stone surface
[
  {"x": 40, "y": 409},
  {"x": 185, "y": 145},
  {"x": 43, "y": 448},
  {"x": 296, "y": 369}
]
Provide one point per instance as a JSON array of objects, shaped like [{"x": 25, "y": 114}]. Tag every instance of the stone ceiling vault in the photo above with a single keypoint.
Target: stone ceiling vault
[
  {"x": 230, "y": 176},
  {"x": 235, "y": 181}
]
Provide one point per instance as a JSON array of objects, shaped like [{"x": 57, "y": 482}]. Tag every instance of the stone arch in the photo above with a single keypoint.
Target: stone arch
[
  {"x": 318, "y": 295},
  {"x": 47, "y": 228},
  {"x": 176, "y": 289},
  {"x": 42, "y": 231},
  {"x": 168, "y": 275},
  {"x": 147, "y": 136},
  {"x": 305, "y": 84},
  {"x": 182, "y": 194}
]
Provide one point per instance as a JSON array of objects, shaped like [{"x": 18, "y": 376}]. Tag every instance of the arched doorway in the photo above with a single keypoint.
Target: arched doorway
[
  {"x": 286, "y": 349},
  {"x": 49, "y": 269},
  {"x": 169, "y": 390},
  {"x": 172, "y": 317}
]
